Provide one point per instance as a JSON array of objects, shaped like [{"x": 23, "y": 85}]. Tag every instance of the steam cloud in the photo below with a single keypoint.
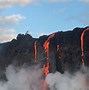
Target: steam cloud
[
  {"x": 66, "y": 81},
  {"x": 31, "y": 78},
  {"x": 25, "y": 78}
]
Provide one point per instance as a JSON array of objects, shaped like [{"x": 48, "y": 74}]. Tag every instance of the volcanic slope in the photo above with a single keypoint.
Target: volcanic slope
[{"x": 64, "y": 51}]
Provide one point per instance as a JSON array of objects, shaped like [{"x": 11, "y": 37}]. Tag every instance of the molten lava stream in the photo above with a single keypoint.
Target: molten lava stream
[
  {"x": 46, "y": 72},
  {"x": 35, "y": 51},
  {"x": 58, "y": 51},
  {"x": 46, "y": 46},
  {"x": 58, "y": 48},
  {"x": 82, "y": 45},
  {"x": 46, "y": 67}
]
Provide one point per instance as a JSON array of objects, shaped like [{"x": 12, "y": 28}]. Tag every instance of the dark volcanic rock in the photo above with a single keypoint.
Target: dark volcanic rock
[{"x": 21, "y": 51}]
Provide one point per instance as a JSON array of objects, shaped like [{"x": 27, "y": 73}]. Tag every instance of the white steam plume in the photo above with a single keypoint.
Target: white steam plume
[
  {"x": 22, "y": 78},
  {"x": 66, "y": 81},
  {"x": 31, "y": 78}
]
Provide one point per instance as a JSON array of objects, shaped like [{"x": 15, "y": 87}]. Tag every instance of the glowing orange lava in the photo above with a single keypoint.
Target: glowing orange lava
[
  {"x": 46, "y": 72},
  {"x": 35, "y": 51},
  {"x": 46, "y": 69},
  {"x": 82, "y": 44},
  {"x": 58, "y": 47},
  {"x": 46, "y": 46},
  {"x": 46, "y": 49},
  {"x": 58, "y": 51}
]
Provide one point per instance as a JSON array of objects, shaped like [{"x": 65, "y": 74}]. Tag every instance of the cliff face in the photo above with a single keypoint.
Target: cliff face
[{"x": 64, "y": 51}]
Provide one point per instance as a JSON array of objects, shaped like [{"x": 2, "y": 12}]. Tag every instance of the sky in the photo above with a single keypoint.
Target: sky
[{"x": 40, "y": 17}]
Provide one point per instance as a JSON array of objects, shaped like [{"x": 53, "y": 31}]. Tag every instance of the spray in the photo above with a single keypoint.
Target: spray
[
  {"x": 23, "y": 78},
  {"x": 67, "y": 81}
]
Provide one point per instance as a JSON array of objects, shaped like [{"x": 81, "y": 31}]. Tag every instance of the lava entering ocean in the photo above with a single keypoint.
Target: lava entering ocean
[
  {"x": 47, "y": 66},
  {"x": 28, "y": 77}
]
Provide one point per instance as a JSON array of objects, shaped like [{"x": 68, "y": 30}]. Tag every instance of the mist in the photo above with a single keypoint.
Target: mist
[
  {"x": 77, "y": 81},
  {"x": 31, "y": 78},
  {"x": 22, "y": 78}
]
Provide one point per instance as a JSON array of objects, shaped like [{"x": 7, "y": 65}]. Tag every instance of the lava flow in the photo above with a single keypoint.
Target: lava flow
[
  {"x": 82, "y": 45},
  {"x": 58, "y": 48},
  {"x": 35, "y": 51},
  {"x": 46, "y": 72},
  {"x": 46, "y": 46},
  {"x": 46, "y": 49},
  {"x": 58, "y": 51}
]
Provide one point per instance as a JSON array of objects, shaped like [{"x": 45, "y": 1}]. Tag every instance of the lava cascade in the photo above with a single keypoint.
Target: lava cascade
[
  {"x": 35, "y": 51},
  {"x": 58, "y": 48},
  {"x": 46, "y": 49},
  {"x": 46, "y": 46},
  {"x": 58, "y": 51},
  {"x": 82, "y": 45}
]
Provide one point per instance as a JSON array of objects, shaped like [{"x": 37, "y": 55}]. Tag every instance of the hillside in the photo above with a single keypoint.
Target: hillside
[{"x": 67, "y": 58}]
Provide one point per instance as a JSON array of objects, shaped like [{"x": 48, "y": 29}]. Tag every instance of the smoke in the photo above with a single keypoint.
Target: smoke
[
  {"x": 66, "y": 81},
  {"x": 22, "y": 78},
  {"x": 31, "y": 78}
]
